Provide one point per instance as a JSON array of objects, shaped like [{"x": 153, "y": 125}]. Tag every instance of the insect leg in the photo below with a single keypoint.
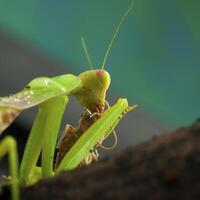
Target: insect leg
[
  {"x": 44, "y": 132},
  {"x": 111, "y": 147},
  {"x": 55, "y": 109},
  {"x": 8, "y": 145}
]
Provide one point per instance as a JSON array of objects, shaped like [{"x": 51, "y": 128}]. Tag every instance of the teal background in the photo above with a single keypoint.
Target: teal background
[{"x": 154, "y": 62}]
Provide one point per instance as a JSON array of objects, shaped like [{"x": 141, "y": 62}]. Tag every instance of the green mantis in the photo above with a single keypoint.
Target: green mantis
[{"x": 51, "y": 95}]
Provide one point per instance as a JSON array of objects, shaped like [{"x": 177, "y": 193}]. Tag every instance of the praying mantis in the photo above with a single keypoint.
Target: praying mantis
[{"x": 77, "y": 145}]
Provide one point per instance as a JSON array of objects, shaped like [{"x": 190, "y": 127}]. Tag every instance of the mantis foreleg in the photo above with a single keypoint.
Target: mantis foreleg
[{"x": 101, "y": 128}]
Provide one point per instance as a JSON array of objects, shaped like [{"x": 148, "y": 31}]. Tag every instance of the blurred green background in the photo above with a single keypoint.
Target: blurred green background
[{"x": 154, "y": 62}]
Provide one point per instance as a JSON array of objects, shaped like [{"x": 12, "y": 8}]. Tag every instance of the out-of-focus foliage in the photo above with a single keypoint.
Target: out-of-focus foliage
[{"x": 155, "y": 61}]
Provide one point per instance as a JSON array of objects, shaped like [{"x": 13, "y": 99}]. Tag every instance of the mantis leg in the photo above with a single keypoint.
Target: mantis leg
[
  {"x": 101, "y": 128},
  {"x": 33, "y": 147},
  {"x": 45, "y": 129},
  {"x": 8, "y": 145},
  {"x": 43, "y": 137},
  {"x": 55, "y": 109}
]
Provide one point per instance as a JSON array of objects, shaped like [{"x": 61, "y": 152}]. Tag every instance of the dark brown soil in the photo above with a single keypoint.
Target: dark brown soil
[{"x": 165, "y": 167}]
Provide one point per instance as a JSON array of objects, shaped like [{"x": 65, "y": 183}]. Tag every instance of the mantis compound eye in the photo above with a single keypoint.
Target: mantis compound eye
[{"x": 103, "y": 77}]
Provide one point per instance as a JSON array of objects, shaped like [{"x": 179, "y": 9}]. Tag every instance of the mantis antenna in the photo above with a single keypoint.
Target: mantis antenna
[
  {"x": 116, "y": 32},
  {"x": 86, "y": 53}
]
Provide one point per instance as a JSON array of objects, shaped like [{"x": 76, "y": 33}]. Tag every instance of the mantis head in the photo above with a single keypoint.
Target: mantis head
[{"x": 95, "y": 84}]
